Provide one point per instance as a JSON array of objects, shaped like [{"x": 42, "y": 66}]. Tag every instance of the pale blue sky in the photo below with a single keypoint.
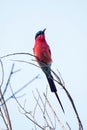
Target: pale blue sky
[{"x": 66, "y": 23}]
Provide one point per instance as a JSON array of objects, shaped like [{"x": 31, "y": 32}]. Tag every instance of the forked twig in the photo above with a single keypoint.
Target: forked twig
[
  {"x": 44, "y": 106},
  {"x": 42, "y": 110},
  {"x": 26, "y": 113},
  {"x": 3, "y": 109},
  {"x": 58, "y": 120},
  {"x": 6, "y": 117}
]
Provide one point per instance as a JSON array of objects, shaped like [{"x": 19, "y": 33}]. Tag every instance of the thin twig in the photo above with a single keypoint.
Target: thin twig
[
  {"x": 62, "y": 126},
  {"x": 5, "y": 113},
  {"x": 2, "y": 115},
  {"x": 45, "y": 109},
  {"x": 25, "y": 112},
  {"x": 6, "y": 118},
  {"x": 70, "y": 98},
  {"x": 27, "y": 62},
  {"x": 8, "y": 79},
  {"x": 2, "y": 74},
  {"x": 13, "y": 54},
  {"x": 22, "y": 88},
  {"x": 41, "y": 108}
]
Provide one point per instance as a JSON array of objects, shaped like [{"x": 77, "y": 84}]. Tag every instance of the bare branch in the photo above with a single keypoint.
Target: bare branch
[
  {"x": 41, "y": 108},
  {"x": 26, "y": 113},
  {"x": 44, "y": 106},
  {"x": 22, "y": 88},
  {"x": 27, "y": 62},
  {"x": 62, "y": 126},
  {"x": 6, "y": 118},
  {"x": 3, "y": 109},
  {"x": 59, "y": 81},
  {"x": 2, "y": 74},
  {"x": 8, "y": 79},
  {"x": 13, "y": 54}
]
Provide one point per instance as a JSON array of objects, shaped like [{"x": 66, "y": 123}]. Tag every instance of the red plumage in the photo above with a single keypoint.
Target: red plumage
[
  {"x": 42, "y": 50},
  {"x": 42, "y": 54}
]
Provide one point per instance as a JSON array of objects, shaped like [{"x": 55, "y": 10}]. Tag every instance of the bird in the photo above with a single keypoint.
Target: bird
[{"x": 43, "y": 57}]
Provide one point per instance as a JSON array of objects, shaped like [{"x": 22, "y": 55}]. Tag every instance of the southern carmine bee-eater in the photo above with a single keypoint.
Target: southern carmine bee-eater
[{"x": 42, "y": 54}]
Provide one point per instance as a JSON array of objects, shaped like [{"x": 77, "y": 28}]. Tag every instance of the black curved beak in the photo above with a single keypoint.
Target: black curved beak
[{"x": 44, "y": 30}]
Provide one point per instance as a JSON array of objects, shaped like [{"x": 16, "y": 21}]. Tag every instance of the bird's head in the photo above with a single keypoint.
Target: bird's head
[{"x": 40, "y": 34}]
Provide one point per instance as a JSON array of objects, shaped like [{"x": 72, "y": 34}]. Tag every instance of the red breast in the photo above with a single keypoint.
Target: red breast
[{"x": 42, "y": 50}]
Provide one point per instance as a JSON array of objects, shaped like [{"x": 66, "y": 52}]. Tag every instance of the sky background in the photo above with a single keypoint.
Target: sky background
[{"x": 66, "y": 33}]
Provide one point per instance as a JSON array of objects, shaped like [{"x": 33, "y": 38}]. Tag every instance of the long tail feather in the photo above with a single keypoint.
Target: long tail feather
[
  {"x": 51, "y": 83},
  {"x": 59, "y": 102},
  {"x": 53, "y": 89}
]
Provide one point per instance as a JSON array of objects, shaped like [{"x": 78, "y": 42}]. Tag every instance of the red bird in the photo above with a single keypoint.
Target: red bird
[{"x": 43, "y": 56}]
